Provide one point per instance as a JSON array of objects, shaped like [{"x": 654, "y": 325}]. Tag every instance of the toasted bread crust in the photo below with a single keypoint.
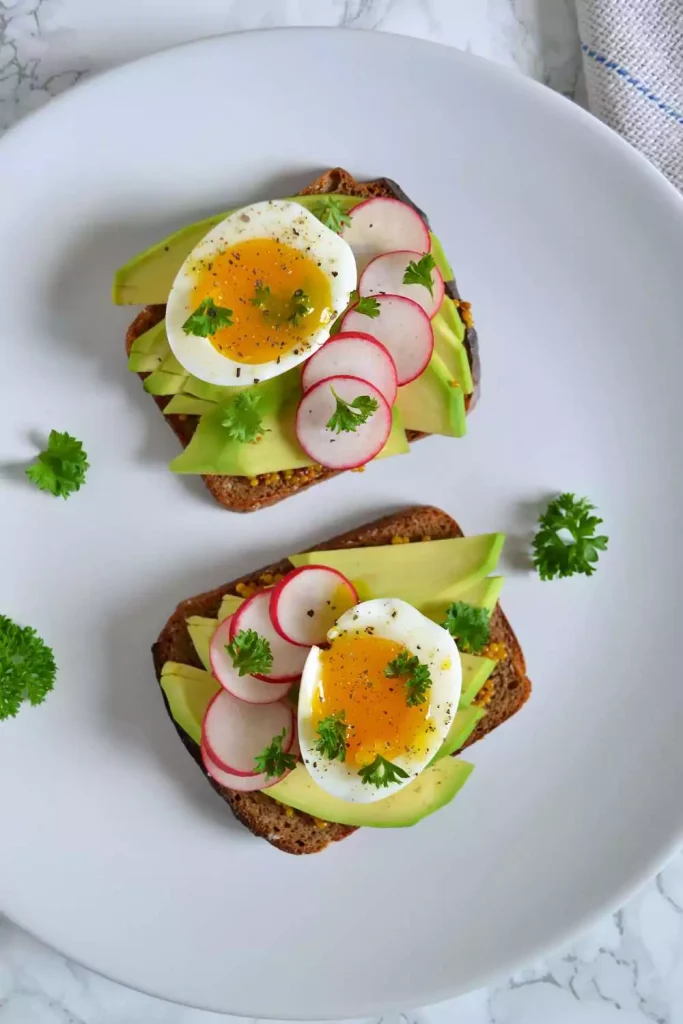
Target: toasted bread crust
[
  {"x": 237, "y": 492},
  {"x": 293, "y": 831}
]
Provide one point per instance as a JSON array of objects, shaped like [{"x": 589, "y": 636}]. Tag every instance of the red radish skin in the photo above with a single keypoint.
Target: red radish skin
[
  {"x": 382, "y": 225},
  {"x": 288, "y": 659},
  {"x": 246, "y": 688},
  {"x": 402, "y": 327},
  {"x": 384, "y": 276},
  {"x": 239, "y": 783},
  {"x": 351, "y": 353},
  {"x": 344, "y": 450},
  {"x": 308, "y": 602},
  {"x": 234, "y": 732}
]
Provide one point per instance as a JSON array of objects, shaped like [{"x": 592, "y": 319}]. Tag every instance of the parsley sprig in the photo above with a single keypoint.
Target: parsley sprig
[
  {"x": 331, "y": 741},
  {"x": 554, "y": 553},
  {"x": 420, "y": 272},
  {"x": 349, "y": 416},
  {"x": 242, "y": 418},
  {"x": 207, "y": 319},
  {"x": 27, "y": 667},
  {"x": 469, "y": 626},
  {"x": 273, "y": 761},
  {"x": 301, "y": 306},
  {"x": 418, "y": 679},
  {"x": 61, "y": 468},
  {"x": 368, "y": 306},
  {"x": 381, "y": 773},
  {"x": 329, "y": 211},
  {"x": 250, "y": 653},
  {"x": 261, "y": 297}
]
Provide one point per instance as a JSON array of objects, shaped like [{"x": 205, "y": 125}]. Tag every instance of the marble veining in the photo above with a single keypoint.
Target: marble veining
[{"x": 628, "y": 969}]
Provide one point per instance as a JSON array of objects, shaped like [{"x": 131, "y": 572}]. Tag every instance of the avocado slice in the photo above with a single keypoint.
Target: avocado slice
[
  {"x": 188, "y": 691},
  {"x": 463, "y": 725},
  {"x": 475, "y": 672},
  {"x": 434, "y": 403},
  {"x": 229, "y": 606},
  {"x": 201, "y": 632},
  {"x": 413, "y": 572},
  {"x": 484, "y": 594},
  {"x": 187, "y": 405},
  {"x": 432, "y": 789}
]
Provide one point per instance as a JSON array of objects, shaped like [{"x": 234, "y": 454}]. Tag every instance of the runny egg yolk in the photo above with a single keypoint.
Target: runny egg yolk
[
  {"x": 379, "y": 721},
  {"x": 278, "y": 295}
]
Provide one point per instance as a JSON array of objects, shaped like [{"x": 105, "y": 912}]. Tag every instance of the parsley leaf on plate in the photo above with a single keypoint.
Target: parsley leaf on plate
[
  {"x": 61, "y": 468},
  {"x": 566, "y": 543}
]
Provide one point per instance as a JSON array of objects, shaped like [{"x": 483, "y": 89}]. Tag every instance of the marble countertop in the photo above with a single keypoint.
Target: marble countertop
[{"x": 629, "y": 968}]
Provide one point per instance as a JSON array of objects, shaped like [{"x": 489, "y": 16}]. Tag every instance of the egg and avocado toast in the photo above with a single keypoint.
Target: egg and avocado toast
[
  {"x": 294, "y": 339},
  {"x": 331, "y": 690}
]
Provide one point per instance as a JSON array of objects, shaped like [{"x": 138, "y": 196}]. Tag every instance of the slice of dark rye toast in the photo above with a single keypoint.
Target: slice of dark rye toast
[
  {"x": 241, "y": 494},
  {"x": 293, "y": 831}
]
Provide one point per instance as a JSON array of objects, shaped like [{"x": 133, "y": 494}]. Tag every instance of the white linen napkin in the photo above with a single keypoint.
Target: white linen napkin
[{"x": 633, "y": 57}]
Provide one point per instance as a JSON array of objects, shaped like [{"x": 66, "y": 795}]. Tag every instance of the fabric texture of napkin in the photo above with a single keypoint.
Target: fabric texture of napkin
[{"x": 633, "y": 57}]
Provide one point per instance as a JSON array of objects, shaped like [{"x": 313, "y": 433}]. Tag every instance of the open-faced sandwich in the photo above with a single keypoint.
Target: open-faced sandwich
[
  {"x": 293, "y": 339},
  {"x": 333, "y": 689}
]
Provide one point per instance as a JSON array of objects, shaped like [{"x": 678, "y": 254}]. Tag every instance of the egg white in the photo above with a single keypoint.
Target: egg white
[
  {"x": 395, "y": 620},
  {"x": 291, "y": 224}
]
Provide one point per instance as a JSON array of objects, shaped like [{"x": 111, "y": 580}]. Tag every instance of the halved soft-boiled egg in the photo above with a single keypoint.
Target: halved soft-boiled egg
[
  {"x": 258, "y": 294},
  {"x": 376, "y": 705}
]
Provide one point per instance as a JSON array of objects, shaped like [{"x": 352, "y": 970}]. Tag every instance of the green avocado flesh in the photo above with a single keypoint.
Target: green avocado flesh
[
  {"x": 432, "y": 789},
  {"x": 414, "y": 572},
  {"x": 463, "y": 725},
  {"x": 434, "y": 403},
  {"x": 188, "y": 691}
]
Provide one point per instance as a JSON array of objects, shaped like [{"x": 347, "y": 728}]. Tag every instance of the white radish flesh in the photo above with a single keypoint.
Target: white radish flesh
[
  {"x": 288, "y": 660},
  {"x": 247, "y": 688},
  {"x": 404, "y": 329},
  {"x": 353, "y": 353},
  {"x": 384, "y": 276},
  {"x": 348, "y": 449},
  {"x": 308, "y": 602},
  {"x": 383, "y": 225},
  {"x": 240, "y": 783},
  {"x": 235, "y": 733}
]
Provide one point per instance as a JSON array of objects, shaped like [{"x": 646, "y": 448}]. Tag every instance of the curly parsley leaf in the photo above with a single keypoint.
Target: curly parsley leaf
[
  {"x": 301, "y": 306},
  {"x": 207, "y": 319},
  {"x": 469, "y": 626},
  {"x": 418, "y": 679},
  {"x": 261, "y": 297},
  {"x": 368, "y": 306},
  {"x": 61, "y": 468},
  {"x": 331, "y": 741},
  {"x": 420, "y": 272},
  {"x": 273, "y": 761},
  {"x": 242, "y": 418},
  {"x": 329, "y": 211},
  {"x": 349, "y": 416},
  {"x": 566, "y": 543},
  {"x": 250, "y": 653},
  {"x": 27, "y": 667},
  {"x": 381, "y": 773}
]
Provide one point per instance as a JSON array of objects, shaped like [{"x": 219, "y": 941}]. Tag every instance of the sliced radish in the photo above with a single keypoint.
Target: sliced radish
[
  {"x": 348, "y": 449},
  {"x": 384, "y": 276},
  {"x": 240, "y": 783},
  {"x": 384, "y": 225},
  {"x": 353, "y": 353},
  {"x": 402, "y": 327},
  {"x": 308, "y": 602},
  {"x": 247, "y": 688},
  {"x": 234, "y": 732},
  {"x": 288, "y": 660}
]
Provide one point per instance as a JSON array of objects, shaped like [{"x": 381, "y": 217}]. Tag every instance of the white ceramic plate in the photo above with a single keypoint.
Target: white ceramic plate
[{"x": 112, "y": 847}]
